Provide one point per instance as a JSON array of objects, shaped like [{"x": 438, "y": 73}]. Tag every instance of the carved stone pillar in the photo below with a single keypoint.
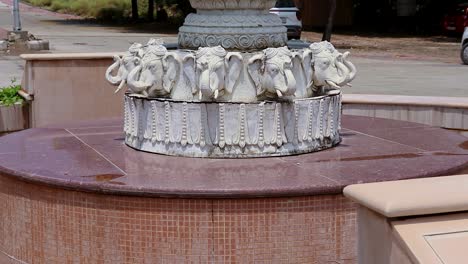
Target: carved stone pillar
[{"x": 232, "y": 24}]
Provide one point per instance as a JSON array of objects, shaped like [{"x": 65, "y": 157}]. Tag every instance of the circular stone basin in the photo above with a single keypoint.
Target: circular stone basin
[
  {"x": 77, "y": 193},
  {"x": 232, "y": 130}
]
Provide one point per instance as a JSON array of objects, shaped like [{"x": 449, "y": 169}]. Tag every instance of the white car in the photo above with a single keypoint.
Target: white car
[
  {"x": 290, "y": 16},
  {"x": 464, "y": 50}
]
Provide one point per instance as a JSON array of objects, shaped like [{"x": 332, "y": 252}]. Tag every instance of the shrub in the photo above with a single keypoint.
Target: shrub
[
  {"x": 112, "y": 10},
  {"x": 110, "y": 14},
  {"x": 9, "y": 94}
]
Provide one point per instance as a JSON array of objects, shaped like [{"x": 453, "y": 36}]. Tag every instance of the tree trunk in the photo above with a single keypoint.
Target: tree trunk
[
  {"x": 135, "y": 10},
  {"x": 331, "y": 17},
  {"x": 151, "y": 10}
]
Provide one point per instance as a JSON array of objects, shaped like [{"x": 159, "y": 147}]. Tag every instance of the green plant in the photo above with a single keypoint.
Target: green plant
[{"x": 9, "y": 94}]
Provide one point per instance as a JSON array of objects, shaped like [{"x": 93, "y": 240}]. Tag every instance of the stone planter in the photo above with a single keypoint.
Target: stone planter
[{"x": 14, "y": 118}]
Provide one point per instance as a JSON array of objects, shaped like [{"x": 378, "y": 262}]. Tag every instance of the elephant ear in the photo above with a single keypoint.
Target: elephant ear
[
  {"x": 190, "y": 72},
  {"x": 307, "y": 63},
  {"x": 255, "y": 68},
  {"x": 234, "y": 64},
  {"x": 171, "y": 65},
  {"x": 350, "y": 66}
]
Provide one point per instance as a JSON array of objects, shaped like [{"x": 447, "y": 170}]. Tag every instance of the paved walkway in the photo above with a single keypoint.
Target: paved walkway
[{"x": 378, "y": 73}]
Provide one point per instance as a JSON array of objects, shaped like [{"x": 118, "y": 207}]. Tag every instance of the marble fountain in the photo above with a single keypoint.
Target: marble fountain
[{"x": 232, "y": 149}]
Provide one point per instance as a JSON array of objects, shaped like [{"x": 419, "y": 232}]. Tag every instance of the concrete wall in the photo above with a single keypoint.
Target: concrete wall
[{"x": 70, "y": 87}]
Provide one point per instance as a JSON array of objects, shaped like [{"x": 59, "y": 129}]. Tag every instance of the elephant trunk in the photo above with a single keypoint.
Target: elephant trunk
[
  {"x": 205, "y": 88},
  {"x": 341, "y": 78},
  {"x": 214, "y": 84},
  {"x": 290, "y": 82},
  {"x": 156, "y": 85},
  {"x": 134, "y": 80},
  {"x": 114, "y": 80}
]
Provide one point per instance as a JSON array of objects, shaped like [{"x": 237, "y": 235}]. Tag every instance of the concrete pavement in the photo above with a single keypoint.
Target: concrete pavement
[{"x": 377, "y": 75}]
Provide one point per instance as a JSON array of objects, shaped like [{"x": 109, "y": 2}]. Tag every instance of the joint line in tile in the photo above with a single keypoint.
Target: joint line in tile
[
  {"x": 391, "y": 141},
  {"x": 99, "y": 153}
]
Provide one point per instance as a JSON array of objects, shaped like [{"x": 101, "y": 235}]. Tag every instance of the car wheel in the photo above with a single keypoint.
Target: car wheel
[{"x": 464, "y": 53}]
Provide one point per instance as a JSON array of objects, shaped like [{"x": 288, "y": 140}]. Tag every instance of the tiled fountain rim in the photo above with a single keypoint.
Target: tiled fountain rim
[{"x": 88, "y": 156}]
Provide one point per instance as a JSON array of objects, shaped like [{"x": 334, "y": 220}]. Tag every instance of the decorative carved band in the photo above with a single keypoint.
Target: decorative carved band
[
  {"x": 232, "y": 41},
  {"x": 225, "y": 130},
  {"x": 229, "y": 21},
  {"x": 232, "y": 4},
  {"x": 231, "y": 31}
]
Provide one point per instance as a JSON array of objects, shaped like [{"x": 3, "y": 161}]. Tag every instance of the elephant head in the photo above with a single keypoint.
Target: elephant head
[
  {"x": 124, "y": 65},
  {"x": 326, "y": 67},
  {"x": 212, "y": 71},
  {"x": 157, "y": 72},
  {"x": 272, "y": 73}
]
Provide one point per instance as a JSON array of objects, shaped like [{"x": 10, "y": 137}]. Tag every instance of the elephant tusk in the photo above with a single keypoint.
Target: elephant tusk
[
  {"x": 350, "y": 85},
  {"x": 122, "y": 84},
  {"x": 216, "y": 94},
  {"x": 278, "y": 92},
  {"x": 200, "y": 95},
  {"x": 332, "y": 84},
  {"x": 345, "y": 55},
  {"x": 333, "y": 92}
]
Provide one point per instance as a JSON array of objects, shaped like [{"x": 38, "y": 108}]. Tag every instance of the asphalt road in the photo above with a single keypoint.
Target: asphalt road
[{"x": 377, "y": 75}]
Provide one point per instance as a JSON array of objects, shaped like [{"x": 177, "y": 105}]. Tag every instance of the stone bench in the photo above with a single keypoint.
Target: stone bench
[{"x": 412, "y": 221}]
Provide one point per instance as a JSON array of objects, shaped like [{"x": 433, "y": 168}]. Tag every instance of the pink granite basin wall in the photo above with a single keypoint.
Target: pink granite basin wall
[
  {"x": 40, "y": 224},
  {"x": 77, "y": 194}
]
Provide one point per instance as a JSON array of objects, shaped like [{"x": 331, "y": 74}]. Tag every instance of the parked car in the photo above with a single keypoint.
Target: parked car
[
  {"x": 290, "y": 16},
  {"x": 456, "y": 19},
  {"x": 464, "y": 50}
]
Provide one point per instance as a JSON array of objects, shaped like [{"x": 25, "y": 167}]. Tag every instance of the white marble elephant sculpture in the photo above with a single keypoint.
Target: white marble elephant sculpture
[
  {"x": 124, "y": 65},
  {"x": 157, "y": 72},
  {"x": 271, "y": 71},
  {"x": 212, "y": 71},
  {"x": 325, "y": 67}
]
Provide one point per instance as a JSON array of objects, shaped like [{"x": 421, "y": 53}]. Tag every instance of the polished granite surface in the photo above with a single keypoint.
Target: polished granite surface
[{"x": 91, "y": 156}]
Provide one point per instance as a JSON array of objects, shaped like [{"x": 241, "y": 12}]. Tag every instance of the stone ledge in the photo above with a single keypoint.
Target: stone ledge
[
  {"x": 69, "y": 56},
  {"x": 446, "y": 112},
  {"x": 91, "y": 157},
  {"x": 413, "y": 197},
  {"x": 377, "y": 99}
]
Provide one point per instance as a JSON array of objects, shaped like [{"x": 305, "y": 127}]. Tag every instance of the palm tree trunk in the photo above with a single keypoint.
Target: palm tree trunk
[{"x": 331, "y": 17}]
